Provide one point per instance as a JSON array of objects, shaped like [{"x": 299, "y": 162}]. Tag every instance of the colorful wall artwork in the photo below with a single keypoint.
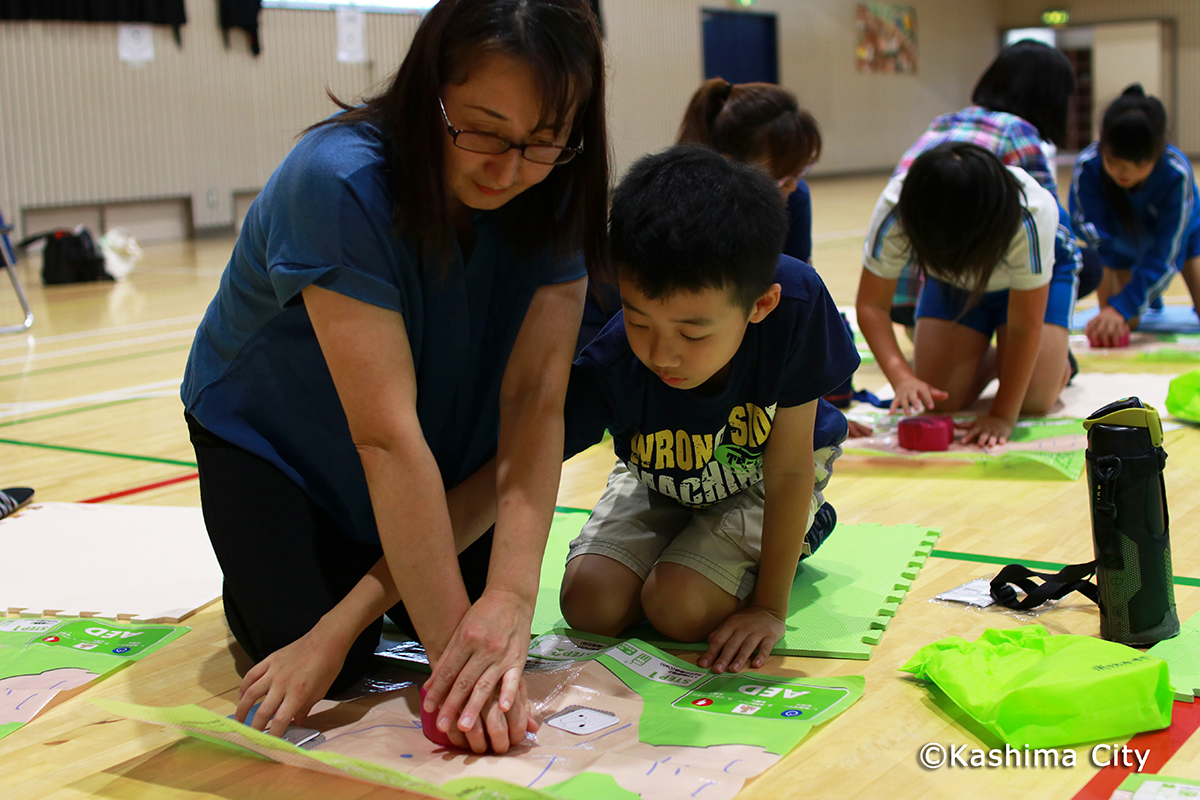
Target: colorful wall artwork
[{"x": 887, "y": 37}]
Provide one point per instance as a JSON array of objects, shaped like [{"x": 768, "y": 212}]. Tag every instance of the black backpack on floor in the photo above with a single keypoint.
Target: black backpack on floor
[{"x": 69, "y": 257}]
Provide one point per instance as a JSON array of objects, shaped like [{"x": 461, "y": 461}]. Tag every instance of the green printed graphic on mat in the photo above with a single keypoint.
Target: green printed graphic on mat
[
  {"x": 658, "y": 677},
  {"x": 101, "y": 637},
  {"x": 1182, "y": 654},
  {"x": 589, "y": 785},
  {"x": 636, "y": 741},
  {"x": 747, "y": 695},
  {"x": 40, "y": 657},
  {"x": 208, "y": 726},
  {"x": 1058, "y": 444}
]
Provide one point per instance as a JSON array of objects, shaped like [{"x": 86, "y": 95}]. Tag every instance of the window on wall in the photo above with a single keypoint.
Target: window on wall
[{"x": 392, "y": 6}]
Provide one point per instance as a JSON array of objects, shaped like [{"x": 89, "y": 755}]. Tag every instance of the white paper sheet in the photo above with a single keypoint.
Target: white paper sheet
[{"x": 149, "y": 563}]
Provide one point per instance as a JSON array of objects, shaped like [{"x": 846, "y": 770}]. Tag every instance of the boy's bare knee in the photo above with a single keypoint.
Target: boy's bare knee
[
  {"x": 683, "y": 604},
  {"x": 599, "y": 595},
  {"x": 1039, "y": 404}
]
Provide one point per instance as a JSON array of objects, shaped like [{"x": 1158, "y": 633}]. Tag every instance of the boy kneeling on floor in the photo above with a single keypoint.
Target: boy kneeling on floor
[{"x": 710, "y": 382}]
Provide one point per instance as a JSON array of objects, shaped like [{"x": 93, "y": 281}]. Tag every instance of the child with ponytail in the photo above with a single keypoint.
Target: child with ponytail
[{"x": 1133, "y": 200}]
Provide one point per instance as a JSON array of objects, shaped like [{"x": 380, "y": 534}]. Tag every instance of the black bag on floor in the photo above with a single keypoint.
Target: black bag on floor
[{"x": 69, "y": 257}]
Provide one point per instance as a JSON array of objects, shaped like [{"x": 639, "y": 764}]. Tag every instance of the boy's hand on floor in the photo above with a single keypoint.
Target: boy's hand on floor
[
  {"x": 914, "y": 396},
  {"x": 987, "y": 431},
  {"x": 733, "y": 643},
  {"x": 1107, "y": 328}
]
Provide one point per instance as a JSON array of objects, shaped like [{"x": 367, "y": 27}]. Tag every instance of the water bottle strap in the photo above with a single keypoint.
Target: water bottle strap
[
  {"x": 1073, "y": 578},
  {"x": 1110, "y": 467}
]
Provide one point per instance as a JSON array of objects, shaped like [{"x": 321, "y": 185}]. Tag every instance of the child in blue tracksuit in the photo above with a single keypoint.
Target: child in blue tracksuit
[
  {"x": 1133, "y": 199},
  {"x": 710, "y": 379}
]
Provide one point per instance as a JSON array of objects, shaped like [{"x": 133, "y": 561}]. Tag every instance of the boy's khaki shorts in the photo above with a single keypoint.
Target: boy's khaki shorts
[{"x": 639, "y": 527}]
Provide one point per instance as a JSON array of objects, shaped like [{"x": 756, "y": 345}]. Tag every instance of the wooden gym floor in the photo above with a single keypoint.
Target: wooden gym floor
[{"x": 89, "y": 409}]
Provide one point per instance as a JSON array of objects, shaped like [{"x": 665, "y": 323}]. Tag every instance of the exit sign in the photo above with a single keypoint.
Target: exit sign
[{"x": 1056, "y": 17}]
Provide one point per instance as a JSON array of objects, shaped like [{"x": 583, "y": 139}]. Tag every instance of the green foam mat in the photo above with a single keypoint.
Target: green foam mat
[
  {"x": 844, "y": 597},
  {"x": 1038, "y": 447},
  {"x": 1182, "y": 655}
]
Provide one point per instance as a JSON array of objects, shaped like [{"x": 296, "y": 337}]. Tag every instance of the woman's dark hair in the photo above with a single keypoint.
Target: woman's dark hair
[
  {"x": 960, "y": 207},
  {"x": 560, "y": 41},
  {"x": 689, "y": 219},
  {"x": 753, "y": 122},
  {"x": 1033, "y": 81},
  {"x": 1134, "y": 128}
]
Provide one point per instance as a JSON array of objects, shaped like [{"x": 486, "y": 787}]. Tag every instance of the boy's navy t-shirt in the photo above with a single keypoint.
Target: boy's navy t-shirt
[
  {"x": 256, "y": 375},
  {"x": 700, "y": 449}
]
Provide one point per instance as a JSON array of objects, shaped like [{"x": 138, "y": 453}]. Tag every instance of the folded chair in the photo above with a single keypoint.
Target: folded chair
[{"x": 10, "y": 264}]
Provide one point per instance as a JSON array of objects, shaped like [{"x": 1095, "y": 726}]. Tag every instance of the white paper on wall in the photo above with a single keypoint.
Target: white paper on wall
[
  {"x": 135, "y": 43},
  {"x": 352, "y": 47}
]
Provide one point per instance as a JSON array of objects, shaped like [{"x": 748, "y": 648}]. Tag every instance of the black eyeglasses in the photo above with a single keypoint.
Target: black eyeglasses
[{"x": 491, "y": 144}]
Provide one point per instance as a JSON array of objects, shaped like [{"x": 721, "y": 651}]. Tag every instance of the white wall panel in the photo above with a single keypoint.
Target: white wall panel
[
  {"x": 204, "y": 122},
  {"x": 1185, "y": 16},
  {"x": 200, "y": 122}
]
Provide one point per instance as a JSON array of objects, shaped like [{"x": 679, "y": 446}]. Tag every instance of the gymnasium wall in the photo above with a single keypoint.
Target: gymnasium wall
[
  {"x": 1185, "y": 13},
  {"x": 867, "y": 120},
  {"x": 206, "y": 125}
]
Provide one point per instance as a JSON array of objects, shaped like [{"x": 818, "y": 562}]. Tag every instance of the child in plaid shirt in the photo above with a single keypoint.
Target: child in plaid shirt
[{"x": 1019, "y": 104}]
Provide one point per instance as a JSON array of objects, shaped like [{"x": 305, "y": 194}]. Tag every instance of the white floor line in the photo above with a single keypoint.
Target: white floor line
[
  {"x": 832, "y": 236},
  {"x": 32, "y": 339},
  {"x": 95, "y": 348},
  {"x": 145, "y": 390}
]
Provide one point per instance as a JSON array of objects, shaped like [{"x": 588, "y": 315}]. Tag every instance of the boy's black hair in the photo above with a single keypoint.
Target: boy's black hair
[
  {"x": 960, "y": 208},
  {"x": 1134, "y": 128},
  {"x": 1033, "y": 81},
  {"x": 688, "y": 219}
]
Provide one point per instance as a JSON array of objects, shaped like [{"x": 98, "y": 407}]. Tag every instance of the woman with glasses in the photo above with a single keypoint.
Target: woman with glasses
[{"x": 381, "y": 374}]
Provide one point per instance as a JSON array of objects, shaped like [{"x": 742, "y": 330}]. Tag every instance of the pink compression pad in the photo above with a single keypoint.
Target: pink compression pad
[
  {"x": 926, "y": 433},
  {"x": 429, "y": 725},
  {"x": 1122, "y": 342}
]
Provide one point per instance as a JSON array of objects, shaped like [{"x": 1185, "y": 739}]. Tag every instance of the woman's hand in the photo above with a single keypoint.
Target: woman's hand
[
  {"x": 290, "y": 681},
  {"x": 988, "y": 430},
  {"x": 914, "y": 396},
  {"x": 477, "y": 685},
  {"x": 1107, "y": 328}
]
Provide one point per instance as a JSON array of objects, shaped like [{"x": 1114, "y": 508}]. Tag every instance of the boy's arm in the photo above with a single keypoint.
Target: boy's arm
[{"x": 788, "y": 477}]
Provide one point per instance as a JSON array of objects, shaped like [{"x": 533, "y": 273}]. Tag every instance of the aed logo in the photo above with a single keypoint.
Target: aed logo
[
  {"x": 761, "y": 690},
  {"x": 105, "y": 633}
]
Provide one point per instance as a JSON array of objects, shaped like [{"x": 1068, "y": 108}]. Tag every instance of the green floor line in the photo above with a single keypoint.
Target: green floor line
[
  {"x": 70, "y": 411},
  {"x": 86, "y": 452},
  {"x": 81, "y": 364},
  {"x": 1179, "y": 580}
]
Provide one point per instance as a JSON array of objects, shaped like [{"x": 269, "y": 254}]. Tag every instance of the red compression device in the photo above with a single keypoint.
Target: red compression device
[
  {"x": 429, "y": 725},
  {"x": 926, "y": 433},
  {"x": 1122, "y": 342}
]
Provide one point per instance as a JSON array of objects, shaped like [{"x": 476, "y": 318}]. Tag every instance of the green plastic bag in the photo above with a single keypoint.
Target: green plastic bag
[
  {"x": 1031, "y": 688},
  {"x": 1183, "y": 396}
]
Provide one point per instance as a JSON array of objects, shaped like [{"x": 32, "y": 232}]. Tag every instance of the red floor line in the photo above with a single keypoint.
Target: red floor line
[
  {"x": 1185, "y": 719},
  {"x": 145, "y": 488}
]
